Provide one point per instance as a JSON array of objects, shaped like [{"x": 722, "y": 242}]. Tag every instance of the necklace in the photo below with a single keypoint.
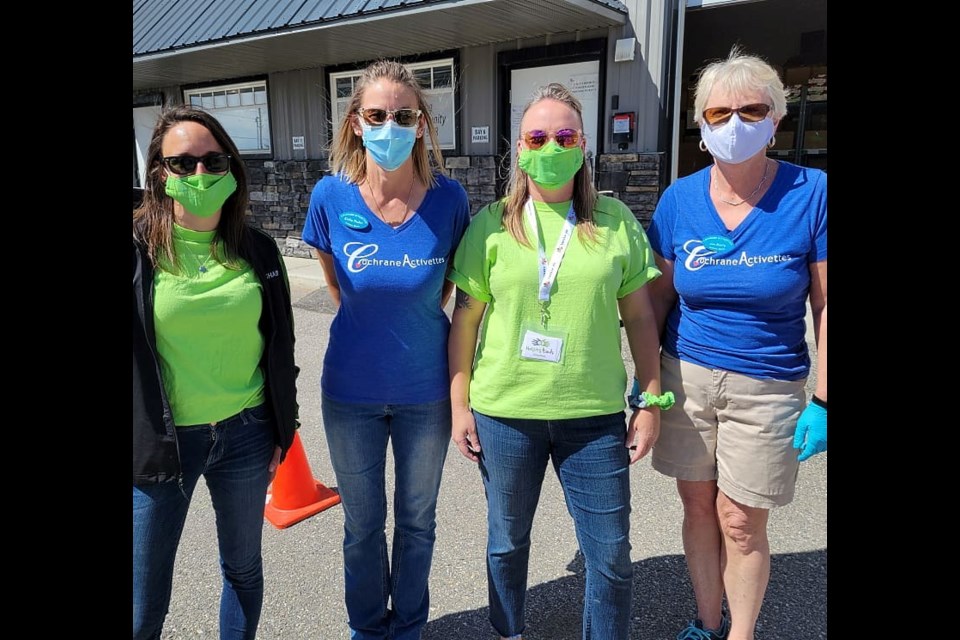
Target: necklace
[
  {"x": 766, "y": 166},
  {"x": 406, "y": 210},
  {"x": 202, "y": 266}
]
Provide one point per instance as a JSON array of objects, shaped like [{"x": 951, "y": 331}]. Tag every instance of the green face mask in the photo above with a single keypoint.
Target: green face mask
[
  {"x": 201, "y": 194},
  {"x": 551, "y": 166}
]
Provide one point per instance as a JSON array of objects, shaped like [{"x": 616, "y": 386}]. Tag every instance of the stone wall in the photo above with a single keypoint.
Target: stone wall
[
  {"x": 633, "y": 178},
  {"x": 279, "y": 197},
  {"x": 280, "y": 193},
  {"x": 280, "y": 189},
  {"x": 478, "y": 175}
]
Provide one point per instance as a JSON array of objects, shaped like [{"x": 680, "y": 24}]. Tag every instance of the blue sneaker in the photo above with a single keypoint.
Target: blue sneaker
[{"x": 695, "y": 631}]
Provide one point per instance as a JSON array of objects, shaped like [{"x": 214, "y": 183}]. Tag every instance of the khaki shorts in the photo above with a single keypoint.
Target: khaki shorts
[{"x": 731, "y": 428}]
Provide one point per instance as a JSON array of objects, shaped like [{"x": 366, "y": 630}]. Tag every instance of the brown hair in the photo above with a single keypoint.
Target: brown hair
[
  {"x": 584, "y": 193},
  {"x": 153, "y": 219},
  {"x": 348, "y": 156}
]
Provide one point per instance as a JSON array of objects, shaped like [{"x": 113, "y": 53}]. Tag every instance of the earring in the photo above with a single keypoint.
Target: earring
[
  {"x": 703, "y": 147},
  {"x": 772, "y": 143}
]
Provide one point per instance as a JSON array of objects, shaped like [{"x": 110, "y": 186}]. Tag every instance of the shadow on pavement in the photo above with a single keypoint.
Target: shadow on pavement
[
  {"x": 318, "y": 301},
  {"x": 795, "y": 606}
]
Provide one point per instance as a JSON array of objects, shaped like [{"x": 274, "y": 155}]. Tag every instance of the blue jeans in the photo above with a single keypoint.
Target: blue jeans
[
  {"x": 593, "y": 467},
  {"x": 357, "y": 436},
  {"x": 233, "y": 457}
]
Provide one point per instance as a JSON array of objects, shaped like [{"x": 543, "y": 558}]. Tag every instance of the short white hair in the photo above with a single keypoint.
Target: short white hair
[{"x": 739, "y": 74}]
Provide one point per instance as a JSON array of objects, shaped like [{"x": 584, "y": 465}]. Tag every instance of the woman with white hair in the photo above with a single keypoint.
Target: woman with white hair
[{"x": 742, "y": 245}]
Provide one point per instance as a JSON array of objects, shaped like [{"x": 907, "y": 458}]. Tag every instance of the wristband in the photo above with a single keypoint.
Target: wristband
[
  {"x": 647, "y": 399},
  {"x": 817, "y": 401}
]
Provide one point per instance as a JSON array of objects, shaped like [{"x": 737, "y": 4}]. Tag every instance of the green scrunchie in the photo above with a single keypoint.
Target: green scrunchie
[{"x": 664, "y": 401}]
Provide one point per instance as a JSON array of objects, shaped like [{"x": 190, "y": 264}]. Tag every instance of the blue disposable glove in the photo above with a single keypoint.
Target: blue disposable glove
[{"x": 811, "y": 433}]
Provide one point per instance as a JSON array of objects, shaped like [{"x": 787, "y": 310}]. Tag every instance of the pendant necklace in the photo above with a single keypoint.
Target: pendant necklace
[
  {"x": 406, "y": 210},
  {"x": 766, "y": 166},
  {"x": 202, "y": 266}
]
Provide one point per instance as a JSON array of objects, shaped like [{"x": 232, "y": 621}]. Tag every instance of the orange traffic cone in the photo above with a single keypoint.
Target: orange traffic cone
[{"x": 294, "y": 494}]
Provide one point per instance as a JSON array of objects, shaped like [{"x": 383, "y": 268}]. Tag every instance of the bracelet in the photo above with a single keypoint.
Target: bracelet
[
  {"x": 647, "y": 399},
  {"x": 817, "y": 401},
  {"x": 664, "y": 400}
]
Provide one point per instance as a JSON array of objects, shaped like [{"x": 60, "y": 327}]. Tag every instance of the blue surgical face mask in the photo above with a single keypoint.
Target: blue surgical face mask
[{"x": 389, "y": 144}]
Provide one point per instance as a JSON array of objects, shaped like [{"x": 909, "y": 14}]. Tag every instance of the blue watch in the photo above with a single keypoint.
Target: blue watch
[{"x": 636, "y": 399}]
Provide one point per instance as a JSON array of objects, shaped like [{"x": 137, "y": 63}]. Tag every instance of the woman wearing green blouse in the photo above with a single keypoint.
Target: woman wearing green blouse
[
  {"x": 214, "y": 380},
  {"x": 547, "y": 271}
]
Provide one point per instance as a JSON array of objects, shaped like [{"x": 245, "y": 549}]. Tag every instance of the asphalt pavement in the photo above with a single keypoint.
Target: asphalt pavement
[{"x": 304, "y": 568}]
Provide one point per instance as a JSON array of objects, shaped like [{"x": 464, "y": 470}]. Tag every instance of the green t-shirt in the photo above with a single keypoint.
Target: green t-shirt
[
  {"x": 493, "y": 267},
  {"x": 208, "y": 336}
]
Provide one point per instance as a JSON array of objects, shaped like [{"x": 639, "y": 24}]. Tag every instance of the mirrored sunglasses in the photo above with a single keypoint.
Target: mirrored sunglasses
[{"x": 565, "y": 138}]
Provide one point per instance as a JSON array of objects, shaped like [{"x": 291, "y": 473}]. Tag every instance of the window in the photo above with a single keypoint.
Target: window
[
  {"x": 436, "y": 79},
  {"x": 242, "y": 110}
]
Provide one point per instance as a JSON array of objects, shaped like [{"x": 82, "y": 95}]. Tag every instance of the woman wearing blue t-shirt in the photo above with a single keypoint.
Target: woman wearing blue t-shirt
[
  {"x": 742, "y": 246},
  {"x": 385, "y": 226}
]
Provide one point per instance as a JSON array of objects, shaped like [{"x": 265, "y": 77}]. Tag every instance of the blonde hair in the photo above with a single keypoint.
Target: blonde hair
[
  {"x": 347, "y": 154},
  {"x": 740, "y": 74},
  {"x": 584, "y": 193}
]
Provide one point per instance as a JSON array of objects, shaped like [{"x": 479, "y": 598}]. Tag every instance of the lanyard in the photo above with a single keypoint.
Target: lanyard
[{"x": 548, "y": 271}]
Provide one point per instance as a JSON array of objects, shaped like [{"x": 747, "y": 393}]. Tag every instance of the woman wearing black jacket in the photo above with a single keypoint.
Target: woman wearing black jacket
[{"x": 214, "y": 379}]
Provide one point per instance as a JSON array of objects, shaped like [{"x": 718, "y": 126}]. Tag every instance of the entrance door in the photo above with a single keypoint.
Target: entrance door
[
  {"x": 791, "y": 36},
  {"x": 581, "y": 78}
]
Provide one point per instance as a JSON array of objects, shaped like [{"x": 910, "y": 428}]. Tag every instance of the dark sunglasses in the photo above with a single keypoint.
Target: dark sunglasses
[
  {"x": 748, "y": 113},
  {"x": 403, "y": 117},
  {"x": 186, "y": 165},
  {"x": 566, "y": 138}
]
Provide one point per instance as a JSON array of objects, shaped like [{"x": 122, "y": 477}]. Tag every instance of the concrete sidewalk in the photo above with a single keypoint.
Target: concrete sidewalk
[
  {"x": 305, "y": 275},
  {"x": 307, "y": 269}
]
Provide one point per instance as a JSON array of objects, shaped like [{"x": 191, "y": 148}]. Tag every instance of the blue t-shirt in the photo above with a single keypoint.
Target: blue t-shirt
[
  {"x": 388, "y": 341},
  {"x": 742, "y": 293}
]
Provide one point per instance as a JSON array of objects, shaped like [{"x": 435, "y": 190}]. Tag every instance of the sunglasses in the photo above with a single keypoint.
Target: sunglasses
[
  {"x": 186, "y": 165},
  {"x": 403, "y": 117},
  {"x": 748, "y": 113},
  {"x": 565, "y": 138}
]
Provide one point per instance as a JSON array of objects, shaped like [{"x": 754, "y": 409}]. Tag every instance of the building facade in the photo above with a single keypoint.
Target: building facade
[{"x": 278, "y": 74}]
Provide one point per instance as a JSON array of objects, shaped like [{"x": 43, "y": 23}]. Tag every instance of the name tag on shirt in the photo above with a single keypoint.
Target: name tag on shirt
[{"x": 539, "y": 346}]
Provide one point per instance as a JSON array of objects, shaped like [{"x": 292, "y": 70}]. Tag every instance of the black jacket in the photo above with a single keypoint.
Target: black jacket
[{"x": 155, "y": 453}]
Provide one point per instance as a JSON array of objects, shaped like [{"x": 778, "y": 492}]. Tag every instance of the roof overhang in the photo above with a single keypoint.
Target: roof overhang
[{"x": 432, "y": 27}]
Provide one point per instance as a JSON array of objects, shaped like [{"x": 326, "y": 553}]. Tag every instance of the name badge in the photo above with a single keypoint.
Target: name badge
[
  {"x": 353, "y": 220},
  {"x": 538, "y": 346}
]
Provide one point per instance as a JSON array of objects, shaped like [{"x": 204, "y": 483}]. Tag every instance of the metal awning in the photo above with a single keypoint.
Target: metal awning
[{"x": 186, "y": 41}]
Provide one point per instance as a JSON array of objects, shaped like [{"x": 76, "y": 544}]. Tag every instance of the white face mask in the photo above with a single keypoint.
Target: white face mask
[{"x": 736, "y": 141}]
